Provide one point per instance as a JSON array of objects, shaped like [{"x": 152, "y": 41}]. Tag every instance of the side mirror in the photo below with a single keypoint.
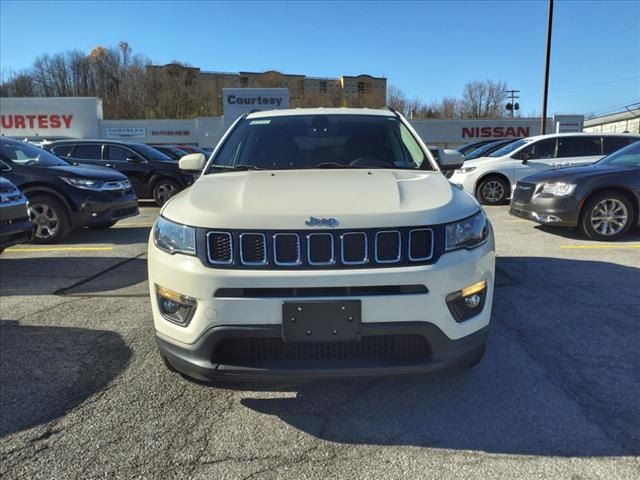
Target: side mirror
[
  {"x": 194, "y": 162},
  {"x": 525, "y": 158},
  {"x": 450, "y": 160}
]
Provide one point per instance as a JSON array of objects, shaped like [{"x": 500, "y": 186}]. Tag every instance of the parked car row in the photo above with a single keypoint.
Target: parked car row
[
  {"x": 491, "y": 178},
  {"x": 63, "y": 196}
]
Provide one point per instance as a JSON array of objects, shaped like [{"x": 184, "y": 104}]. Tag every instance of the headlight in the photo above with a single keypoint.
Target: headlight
[
  {"x": 558, "y": 189},
  {"x": 85, "y": 183},
  {"x": 465, "y": 169},
  {"x": 468, "y": 233},
  {"x": 173, "y": 237}
]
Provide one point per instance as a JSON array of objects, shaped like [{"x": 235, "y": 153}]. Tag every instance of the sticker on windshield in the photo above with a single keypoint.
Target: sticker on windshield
[{"x": 259, "y": 122}]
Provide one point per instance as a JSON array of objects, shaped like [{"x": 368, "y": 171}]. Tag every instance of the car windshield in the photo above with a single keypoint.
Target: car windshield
[
  {"x": 480, "y": 151},
  {"x": 321, "y": 141},
  {"x": 507, "y": 149},
  {"x": 150, "y": 153},
  {"x": 628, "y": 156},
  {"x": 28, "y": 155}
]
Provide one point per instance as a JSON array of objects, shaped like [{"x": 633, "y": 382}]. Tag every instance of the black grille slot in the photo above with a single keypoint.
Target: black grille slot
[
  {"x": 286, "y": 249},
  {"x": 321, "y": 291},
  {"x": 354, "y": 248},
  {"x": 220, "y": 247},
  {"x": 388, "y": 246},
  {"x": 420, "y": 244},
  {"x": 252, "y": 351},
  {"x": 320, "y": 248},
  {"x": 253, "y": 249}
]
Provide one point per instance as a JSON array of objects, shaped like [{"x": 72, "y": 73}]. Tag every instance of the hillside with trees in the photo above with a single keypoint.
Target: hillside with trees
[{"x": 131, "y": 88}]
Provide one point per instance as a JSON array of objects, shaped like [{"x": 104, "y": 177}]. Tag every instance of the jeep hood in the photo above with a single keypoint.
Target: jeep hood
[{"x": 285, "y": 199}]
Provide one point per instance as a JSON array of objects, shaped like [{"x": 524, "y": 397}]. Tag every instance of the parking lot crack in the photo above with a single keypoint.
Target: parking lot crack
[{"x": 64, "y": 290}]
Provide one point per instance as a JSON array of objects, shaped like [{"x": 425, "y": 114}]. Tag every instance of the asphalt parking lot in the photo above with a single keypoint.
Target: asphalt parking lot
[{"x": 84, "y": 394}]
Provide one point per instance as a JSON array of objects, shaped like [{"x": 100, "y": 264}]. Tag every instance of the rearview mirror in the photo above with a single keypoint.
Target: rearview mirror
[
  {"x": 450, "y": 160},
  {"x": 194, "y": 162}
]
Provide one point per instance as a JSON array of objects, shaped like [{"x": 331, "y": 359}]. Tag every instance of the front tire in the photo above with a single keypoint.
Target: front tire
[
  {"x": 50, "y": 218},
  {"x": 607, "y": 216},
  {"x": 164, "y": 189},
  {"x": 492, "y": 190}
]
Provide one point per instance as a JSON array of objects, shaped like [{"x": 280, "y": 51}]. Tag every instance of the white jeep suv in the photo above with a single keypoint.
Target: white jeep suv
[
  {"x": 320, "y": 242},
  {"x": 492, "y": 178}
]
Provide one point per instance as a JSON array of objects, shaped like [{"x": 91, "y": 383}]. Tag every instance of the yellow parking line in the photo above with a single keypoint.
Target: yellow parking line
[
  {"x": 60, "y": 249},
  {"x": 595, "y": 247},
  {"x": 140, "y": 224}
]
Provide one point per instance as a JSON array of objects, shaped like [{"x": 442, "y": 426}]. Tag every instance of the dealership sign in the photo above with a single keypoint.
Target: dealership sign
[
  {"x": 455, "y": 132},
  {"x": 495, "y": 132},
  {"x": 238, "y": 101},
  {"x": 126, "y": 132},
  {"x": 43, "y": 116}
]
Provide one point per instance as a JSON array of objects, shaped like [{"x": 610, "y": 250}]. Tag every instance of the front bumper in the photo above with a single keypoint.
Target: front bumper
[
  {"x": 15, "y": 226},
  {"x": 105, "y": 207},
  {"x": 199, "y": 360},
  {"x": 189, "y": 348},
  {"x": 553, "y": 211}
]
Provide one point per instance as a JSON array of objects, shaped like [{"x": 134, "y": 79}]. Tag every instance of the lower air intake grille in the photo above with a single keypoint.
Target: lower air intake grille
[{"x": 247, "y": 351}]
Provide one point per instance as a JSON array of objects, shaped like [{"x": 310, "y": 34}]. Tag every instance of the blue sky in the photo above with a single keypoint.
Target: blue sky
[{"x": 428, "y": 49}]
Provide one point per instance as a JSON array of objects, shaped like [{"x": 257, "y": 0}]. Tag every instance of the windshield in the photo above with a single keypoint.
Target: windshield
[
  {"x": 321, "y": 141},
  {"x": 507, "y": 149},
  {"x": 487, "y": 148},
  {"x": 28, "y": 155},
  {"x": 628, "y": 156},
  {"x": 150, "y": 153}
]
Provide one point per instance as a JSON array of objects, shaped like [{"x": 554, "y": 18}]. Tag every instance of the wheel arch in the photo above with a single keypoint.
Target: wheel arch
[
  {"x": 36, "y": 188},
  {"x": 162, "y": 175},
  {"x": 491, "y": 174}
]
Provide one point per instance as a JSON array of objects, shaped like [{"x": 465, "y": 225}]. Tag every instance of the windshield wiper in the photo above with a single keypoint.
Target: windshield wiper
[
  {"x": 332, "y": 165},
  {"x": 237, "y": 168}
]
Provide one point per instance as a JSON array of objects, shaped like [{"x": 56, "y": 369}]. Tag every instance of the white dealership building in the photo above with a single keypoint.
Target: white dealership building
[{"x": 81, "y": 117}]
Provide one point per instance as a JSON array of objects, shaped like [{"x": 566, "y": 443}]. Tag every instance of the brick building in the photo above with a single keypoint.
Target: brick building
[{"x": 347, "y": 91}]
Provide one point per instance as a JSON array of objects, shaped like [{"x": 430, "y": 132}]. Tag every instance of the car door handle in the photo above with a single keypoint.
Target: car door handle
[{"x": 110, "y": 165}]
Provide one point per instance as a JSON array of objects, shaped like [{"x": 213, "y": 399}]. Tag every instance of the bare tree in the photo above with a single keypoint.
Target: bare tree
[
  {"x": 483, "y": 99},
  {"x": 396, "y": 99}
]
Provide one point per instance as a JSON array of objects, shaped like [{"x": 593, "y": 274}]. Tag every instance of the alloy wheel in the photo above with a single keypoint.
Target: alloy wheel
[
  {"x": 164, "y": 192},
  {"x": 609, "y": 217},
  {"x": 493, "y": 191},
  {"x": 45, "y": 219}
]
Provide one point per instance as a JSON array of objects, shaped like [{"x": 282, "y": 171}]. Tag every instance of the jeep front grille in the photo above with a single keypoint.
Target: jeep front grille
[{"x": 326, "y": 249}]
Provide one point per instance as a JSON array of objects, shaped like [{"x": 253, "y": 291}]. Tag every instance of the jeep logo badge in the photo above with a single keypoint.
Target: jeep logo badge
[{"x": 321, "y": 222}]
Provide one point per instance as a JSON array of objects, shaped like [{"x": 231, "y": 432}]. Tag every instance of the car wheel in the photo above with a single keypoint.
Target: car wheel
[
  {"x": 50, "y": 217},
  {"x": 164, "y": 189},
  {"x": 102, "y": 226},
  {"x": 607, "y": 216},
  {"x": 492, "y": 191}
]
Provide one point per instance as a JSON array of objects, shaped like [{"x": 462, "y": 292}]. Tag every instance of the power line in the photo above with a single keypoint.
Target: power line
[
  {"x": 585, "y": 85},
  {"x": 615, "y": 107}
]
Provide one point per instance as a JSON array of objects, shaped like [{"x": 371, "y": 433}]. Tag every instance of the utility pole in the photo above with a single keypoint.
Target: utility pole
[
  {"x": 545, "y": 94},
  {"x": 512, "y": 106}
]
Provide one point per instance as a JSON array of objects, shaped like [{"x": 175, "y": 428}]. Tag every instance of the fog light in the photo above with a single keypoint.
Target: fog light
[
  {"x": 174, "y": 306},
  {"x": 473, "y": 301},
  {"x": 468, "y": 302}
]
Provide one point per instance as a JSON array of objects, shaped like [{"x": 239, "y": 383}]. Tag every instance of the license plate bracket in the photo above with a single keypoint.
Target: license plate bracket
[{"x": 321, "y": 321}]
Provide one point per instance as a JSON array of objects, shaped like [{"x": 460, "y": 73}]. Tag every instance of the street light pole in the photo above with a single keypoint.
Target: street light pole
[{"x": 545, "y": 94}]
